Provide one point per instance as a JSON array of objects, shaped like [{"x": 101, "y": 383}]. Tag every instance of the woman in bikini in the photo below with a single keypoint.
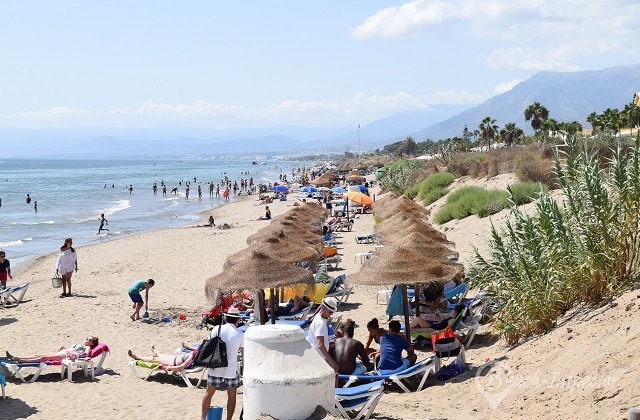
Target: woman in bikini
[
  {"x": 76, "y": 351},
  {"x": 172, "y": 362},
  {"x": 375, "y": 332}
]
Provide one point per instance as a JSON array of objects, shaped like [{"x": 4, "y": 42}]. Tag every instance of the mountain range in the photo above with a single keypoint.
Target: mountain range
[{"x": 568, "y": 97}]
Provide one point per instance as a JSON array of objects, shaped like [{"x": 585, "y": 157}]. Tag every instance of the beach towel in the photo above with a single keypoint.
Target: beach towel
[{"x": 394, "y": 306}]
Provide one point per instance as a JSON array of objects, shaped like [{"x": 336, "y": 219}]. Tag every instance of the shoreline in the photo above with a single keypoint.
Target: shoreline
[{"x": 26, "y": 262}]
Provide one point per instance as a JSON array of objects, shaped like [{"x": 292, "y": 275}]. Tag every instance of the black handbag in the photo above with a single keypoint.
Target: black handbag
[{"x": 212, "y": 353}]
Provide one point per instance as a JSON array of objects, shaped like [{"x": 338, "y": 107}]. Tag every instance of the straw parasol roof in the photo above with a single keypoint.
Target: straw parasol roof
[
  {"x": 403, "y": 266},
  {"x": 257, "y": 271},
  {"x": 277, "y": 247},
  {"x": 387, "y": 208},
  {"x": 322, "y": 180},
  {"x": 287, "y": 231}
]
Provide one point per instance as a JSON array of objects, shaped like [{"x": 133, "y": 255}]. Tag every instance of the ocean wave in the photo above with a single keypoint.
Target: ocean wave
[
  {"x": 48, "y": 222},
  {"x": 120, "y": 205},
  {"x": 11, "y": 243}
]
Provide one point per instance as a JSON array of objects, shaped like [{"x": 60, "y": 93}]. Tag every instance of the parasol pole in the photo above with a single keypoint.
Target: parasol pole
[
  {"x": 273, "y": 306},
  {"x": 261, "y": 308},
  {"x": 405, "y": 302}
]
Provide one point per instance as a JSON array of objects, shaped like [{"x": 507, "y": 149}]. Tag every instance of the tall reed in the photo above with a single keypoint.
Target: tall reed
[{"x": 583, "y": 249}]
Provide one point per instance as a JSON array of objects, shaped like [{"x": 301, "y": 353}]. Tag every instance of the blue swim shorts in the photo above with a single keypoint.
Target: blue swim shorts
[{"x": 136, "y": 297}]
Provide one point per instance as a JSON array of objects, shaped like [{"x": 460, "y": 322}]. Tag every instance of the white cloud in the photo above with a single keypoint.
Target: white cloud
[
  {"x": 361, "y": 107},
  {"x": 505, "y": 87},
  {"x": 533, "y": 35}
]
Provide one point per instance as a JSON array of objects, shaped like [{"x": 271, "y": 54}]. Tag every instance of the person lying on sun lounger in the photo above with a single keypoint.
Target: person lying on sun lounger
[
  {"x": 434, "y": 314},
  {"x": 76, "y": 351},
  {"x": 294, "y": 305},
  {"x": 172, "y": 362}
]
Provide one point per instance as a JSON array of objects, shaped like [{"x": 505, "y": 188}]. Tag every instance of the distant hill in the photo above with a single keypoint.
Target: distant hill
[{"x": 567, "y": 96}]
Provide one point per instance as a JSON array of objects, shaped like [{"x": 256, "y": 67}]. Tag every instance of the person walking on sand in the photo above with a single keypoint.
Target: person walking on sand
[
  {"x": 103, "y": 222},
  {"x": 134, "y": 293},
  {"x": 65, "y": 265},
  {"x": 5, "y": 270},
  {"x": 226, "y": 378}
]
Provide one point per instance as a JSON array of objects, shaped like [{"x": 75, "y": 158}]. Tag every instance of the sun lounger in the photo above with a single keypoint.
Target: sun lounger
[
  {"x": 365, "y": 239},
  {"x": 157, "y": 367},
  {"x": 422, "y": 367},
  {"x": 331, "y": 262},
  {"x": 13, "y": 294},
  {"x": 342, "y": 226},
  {"x": 338, "y": 289},
  {"x": 360, "y": 400},
  {"x": 15, "y": 369}
]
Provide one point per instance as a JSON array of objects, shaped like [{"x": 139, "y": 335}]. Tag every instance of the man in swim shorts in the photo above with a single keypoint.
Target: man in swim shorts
[
  {"x": 134, "y": 293},
  {"x": 5, "y": 270},
  {"x": 347, "y": 349}
]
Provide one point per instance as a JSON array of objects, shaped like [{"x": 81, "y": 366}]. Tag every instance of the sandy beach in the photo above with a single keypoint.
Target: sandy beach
[{"x": 181, "y": 259}]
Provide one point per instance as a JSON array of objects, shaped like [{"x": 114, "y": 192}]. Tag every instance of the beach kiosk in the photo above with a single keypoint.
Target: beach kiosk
[{"x": 284, "y": 377}]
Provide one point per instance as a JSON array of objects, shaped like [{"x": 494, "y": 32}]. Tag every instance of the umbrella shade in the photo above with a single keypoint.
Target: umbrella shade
[
  {"x": 354, "y": 178},
  {"x": 280, "y": 188},
  {"x": 420, "y": 241},
  {"x": 324, "y": 189},
  {"x": 388, "y": 206},
  {"x": 362, "y": 188},
  {"x": 338, "y": 190},
  {"x": 257, "y": 271},
  {"x": 359, "y": 198},
  {"x": 403, "y": 266},
  {"x": 308, "y": 189}
]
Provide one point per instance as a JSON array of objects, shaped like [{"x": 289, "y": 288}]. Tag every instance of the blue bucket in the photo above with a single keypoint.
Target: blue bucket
[{"x": 214, "y": 413}]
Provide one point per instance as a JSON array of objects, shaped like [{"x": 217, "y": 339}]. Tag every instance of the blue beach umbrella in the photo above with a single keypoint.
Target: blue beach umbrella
[
  {"x": 280, "y": 188},
  {"x": 362, "y": 188},
  {"x": 308, "y": 189},
  {"x": 338, "y": 190}
]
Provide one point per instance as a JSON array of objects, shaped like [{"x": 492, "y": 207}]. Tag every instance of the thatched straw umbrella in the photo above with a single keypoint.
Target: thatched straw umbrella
[
  {"x": 258, "y": 271},
  {"x": 279, "y": 247},
  {"x": 287, "y": 231},
  {"x": 403, "y": 266},
  {"x": 321, "y": 181},
  {"x": 385, "y": 208}
]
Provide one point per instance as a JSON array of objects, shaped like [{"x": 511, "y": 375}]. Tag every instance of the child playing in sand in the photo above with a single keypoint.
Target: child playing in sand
[{"x": 134, "y": 293}]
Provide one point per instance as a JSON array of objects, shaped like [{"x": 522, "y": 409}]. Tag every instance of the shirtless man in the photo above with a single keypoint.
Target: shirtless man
[{"x": 346, "y": 349}]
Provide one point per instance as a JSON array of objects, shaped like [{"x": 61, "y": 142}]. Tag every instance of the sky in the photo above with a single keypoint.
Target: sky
[{"x": 223, "y": 64}]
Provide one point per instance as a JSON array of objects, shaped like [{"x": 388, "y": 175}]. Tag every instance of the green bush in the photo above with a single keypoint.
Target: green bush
[
  {"x": 482, "y": 202},
  {"x": 412, "y": 191},
  {"x": 431, "y": 188},
  {"x": 434, "y": 194}
]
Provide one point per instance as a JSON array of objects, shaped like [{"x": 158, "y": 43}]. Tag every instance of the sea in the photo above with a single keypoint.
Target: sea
[{"x": 72, "y": 194}]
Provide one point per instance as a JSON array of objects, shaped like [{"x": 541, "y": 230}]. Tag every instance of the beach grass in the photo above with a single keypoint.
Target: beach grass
[
  {"x": 431, "y": 188},
  {"x": 471, "y": 199}
]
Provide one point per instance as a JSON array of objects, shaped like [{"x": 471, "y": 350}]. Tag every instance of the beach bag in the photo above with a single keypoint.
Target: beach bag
[
  {"x": 446, "y": 344},
  {"x": 56, "y": 281},
  {"x": 454, "y": 368},
  {"x": 212, "y": 353}
]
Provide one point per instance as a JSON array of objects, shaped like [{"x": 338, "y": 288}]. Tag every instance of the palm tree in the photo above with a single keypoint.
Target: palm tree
[
  {"x": 612, "y": 120},
  {"x": 511, "y": 133},
  {"x": 594, "y": 120},
  {"x": 536, "y": 113},
  {"x": 488, "y": 129}
]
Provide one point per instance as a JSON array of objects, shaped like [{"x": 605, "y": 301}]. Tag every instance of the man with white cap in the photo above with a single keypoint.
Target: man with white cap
[
  {"x": 226, "y": 377},
  {"x": 318, "y": 335}
]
